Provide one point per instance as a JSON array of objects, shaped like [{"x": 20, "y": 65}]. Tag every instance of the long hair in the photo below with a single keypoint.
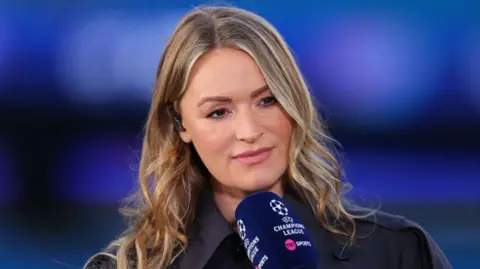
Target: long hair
[{"x": 171, "y": 175}]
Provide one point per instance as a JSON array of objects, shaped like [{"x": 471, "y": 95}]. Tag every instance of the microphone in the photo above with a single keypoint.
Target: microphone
[{"x": 272, "y": 234}]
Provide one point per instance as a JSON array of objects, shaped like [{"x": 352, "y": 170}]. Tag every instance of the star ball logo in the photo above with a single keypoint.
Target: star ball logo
[
  {"x": 241, "y": 229},
  {"x": 278, "y": 207}
]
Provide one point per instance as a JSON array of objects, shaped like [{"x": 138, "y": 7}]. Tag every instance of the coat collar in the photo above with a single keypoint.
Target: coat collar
[
  {"x": 207, "y": 231},
  {"x": 210, "y": 228}
]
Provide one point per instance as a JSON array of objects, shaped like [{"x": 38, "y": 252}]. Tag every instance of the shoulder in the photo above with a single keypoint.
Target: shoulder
[
  {"x": 103, "y": 260},
  {"x": 383, "y": 221},
  {"x": 410, "y": 243}
]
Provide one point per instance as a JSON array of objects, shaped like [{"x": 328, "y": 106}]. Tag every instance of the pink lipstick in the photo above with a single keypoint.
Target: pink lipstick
[{"x": 252, "y": 157}]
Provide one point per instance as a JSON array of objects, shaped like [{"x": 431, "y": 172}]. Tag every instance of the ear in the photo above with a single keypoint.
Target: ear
[
  {"x": 185, "y": 137},
  {"x": 178, "y": 123},
  {"x": 173, "y": 110},
  {"x": 181, "y": 129}
]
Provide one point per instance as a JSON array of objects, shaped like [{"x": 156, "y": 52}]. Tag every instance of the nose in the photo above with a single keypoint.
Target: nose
[{"x": 247, "y": 128}]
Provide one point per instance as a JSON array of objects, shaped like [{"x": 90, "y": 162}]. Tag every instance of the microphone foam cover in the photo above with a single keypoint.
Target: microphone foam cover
[{"x": 272, "y": 234}]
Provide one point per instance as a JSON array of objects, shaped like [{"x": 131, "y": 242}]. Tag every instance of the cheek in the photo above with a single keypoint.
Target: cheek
[
  {"x": 280, "y": 126},
  {"x": 213, "y": 147},
  {"x": 211, "y": 144}
]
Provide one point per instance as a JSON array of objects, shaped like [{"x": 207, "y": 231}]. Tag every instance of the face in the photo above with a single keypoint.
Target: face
[{"x": 236, "y": 125}]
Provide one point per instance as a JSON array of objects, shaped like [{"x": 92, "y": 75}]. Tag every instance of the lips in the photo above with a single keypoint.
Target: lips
[{"x": 253, "y": 157}]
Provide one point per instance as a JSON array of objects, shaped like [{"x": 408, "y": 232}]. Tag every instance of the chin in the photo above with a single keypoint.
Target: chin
[{"x": 260, "y": 184}]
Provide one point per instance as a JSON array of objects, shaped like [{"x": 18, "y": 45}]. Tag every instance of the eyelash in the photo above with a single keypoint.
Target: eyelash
[{"x": 272, "y": 100}]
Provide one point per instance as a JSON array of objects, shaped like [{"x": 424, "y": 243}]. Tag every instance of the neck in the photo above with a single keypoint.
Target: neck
[{"x": 228, "y": 198}]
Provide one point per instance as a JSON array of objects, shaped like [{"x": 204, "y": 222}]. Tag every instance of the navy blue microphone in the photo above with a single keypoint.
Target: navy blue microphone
[{"x": 272, "y": 234}]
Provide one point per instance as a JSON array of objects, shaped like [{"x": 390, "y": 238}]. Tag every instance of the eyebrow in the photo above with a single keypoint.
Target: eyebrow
[{"x": 254, "y": 94}]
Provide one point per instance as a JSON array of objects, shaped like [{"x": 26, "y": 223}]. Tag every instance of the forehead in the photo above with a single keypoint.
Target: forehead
[{"x": 224, "y": 71}]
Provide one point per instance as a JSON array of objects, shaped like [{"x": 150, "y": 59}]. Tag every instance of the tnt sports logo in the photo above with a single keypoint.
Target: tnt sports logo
[
  {"x": 290, "y": 244},
  {"x": 241, "y": 229},
  {"x": 287, "y": 219},
  {"x": 279, "y": 207}
]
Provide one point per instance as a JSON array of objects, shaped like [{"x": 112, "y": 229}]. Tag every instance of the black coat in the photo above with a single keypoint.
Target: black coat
[{"x": 391, "y": 242}]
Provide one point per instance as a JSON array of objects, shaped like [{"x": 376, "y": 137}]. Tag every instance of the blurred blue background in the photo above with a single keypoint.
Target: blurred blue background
[{"x": 398, "y": 83}]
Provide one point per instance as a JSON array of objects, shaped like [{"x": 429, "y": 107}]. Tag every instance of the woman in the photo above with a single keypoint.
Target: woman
[{"x": 232, "y": 115}]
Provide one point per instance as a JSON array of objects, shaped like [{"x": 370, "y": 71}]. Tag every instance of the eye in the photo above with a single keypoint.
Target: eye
[
  {"x": 268, "y": 101},
  {"x": 219, "y": 113}
]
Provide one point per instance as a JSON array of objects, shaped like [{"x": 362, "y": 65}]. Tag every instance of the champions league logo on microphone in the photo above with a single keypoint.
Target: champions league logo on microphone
[
  {"x": 287, "y": 219},
  {"x": 276, "y": 238},
  {"x": 278, "y": 207},
  {"x": 242, "y": 231},
  {"x": 289, "y": 228}
]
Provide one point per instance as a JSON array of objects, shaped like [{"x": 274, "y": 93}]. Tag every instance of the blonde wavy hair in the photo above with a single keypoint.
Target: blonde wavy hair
[{"x": 171, "y": 175}]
